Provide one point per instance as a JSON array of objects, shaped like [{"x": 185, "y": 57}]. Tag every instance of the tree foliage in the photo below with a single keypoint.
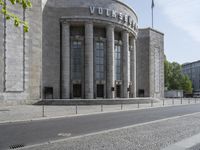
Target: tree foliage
[
  {"x": 11, "y": 16},
  {"x": 174, "y": 79}
]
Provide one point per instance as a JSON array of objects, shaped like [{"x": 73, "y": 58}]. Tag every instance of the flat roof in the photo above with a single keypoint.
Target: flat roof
[{"x": 189, "y": 63}]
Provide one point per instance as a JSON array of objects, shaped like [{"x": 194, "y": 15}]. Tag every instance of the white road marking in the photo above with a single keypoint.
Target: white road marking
[{"x": 64, "y": 134}]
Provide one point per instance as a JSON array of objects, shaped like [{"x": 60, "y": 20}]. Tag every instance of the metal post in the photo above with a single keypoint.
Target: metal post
[
  {"x": 138, "y": 104},
  {"x": 195, "y": 100},
  {"x": 76, "y": 109},
  {"x": 181, "y": 100},
  {"x": 42, "y": 110},
  {"x": 172, "y": 101},
  {"x": 151, "y": 103},
  {"x": 163, "y": 102},
  {"x": 188, "y": 101},
  {"x": 121, "y": 106},
  {"x": 101, "y": 108}
]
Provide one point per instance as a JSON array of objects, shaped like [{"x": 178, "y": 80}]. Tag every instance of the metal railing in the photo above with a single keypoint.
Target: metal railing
[{"x": 78, "y": 109}]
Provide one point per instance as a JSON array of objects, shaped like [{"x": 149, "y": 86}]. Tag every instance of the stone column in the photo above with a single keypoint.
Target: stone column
[
  {"x": 89, "y": 86},
  {"x": 133, "y": 67},
  {"x": 110, "y": 60},
  {"x": 65, "y": 82},
  {"x": 125, "y": 49}
]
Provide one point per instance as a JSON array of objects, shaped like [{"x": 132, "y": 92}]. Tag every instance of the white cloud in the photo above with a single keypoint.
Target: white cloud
[{"x": 185, "y": 14}]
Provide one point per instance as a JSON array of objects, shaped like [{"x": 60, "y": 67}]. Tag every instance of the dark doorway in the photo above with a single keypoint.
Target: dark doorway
[
  {"x": 118, "y": 91},
  {"x": 77, "y": 92},
  {"x": 48, "y": 92},
  {"x": 141, "y": 93},
  {"x": 100, "y": 90}
]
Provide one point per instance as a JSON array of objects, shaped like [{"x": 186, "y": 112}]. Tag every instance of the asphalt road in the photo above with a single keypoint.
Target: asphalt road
[{"x": 35, "y": 132}]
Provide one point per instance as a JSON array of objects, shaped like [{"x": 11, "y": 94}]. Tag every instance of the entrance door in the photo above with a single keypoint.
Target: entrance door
[
  {"x": 77, "y": 92},
  {"x": 118, "y": 91},
  {"x": 100, "y": 90}
]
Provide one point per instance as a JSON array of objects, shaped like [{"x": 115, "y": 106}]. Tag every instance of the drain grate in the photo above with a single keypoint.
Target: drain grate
[{"x": 16, "y": 146}]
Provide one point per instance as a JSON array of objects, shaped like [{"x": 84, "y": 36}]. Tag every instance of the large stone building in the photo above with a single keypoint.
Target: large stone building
[
  {"x": 79, "y": 49},
  {"x": 192, "y": 70}
]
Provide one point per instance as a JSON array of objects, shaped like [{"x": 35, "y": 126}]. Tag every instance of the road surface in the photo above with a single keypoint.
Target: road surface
[{"x": 35, "y": 132}]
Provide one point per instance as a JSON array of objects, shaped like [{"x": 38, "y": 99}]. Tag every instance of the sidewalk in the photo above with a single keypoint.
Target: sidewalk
[{"x": 31, "y": 112}]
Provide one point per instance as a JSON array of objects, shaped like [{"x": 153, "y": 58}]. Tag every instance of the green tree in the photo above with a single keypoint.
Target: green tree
[
  {"x": 174, "y": 79},
  {"x": 11, "y": 16},
  {"x": 186, "y": 84}
]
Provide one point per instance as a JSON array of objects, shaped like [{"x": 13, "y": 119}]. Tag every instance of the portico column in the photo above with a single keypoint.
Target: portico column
[
  {"x": 89, "y": 86},
  {"x": 125, "y": 49},
  {"x": 110, "y": 60},
  {"x": 133, "y": 66},
  {"x": 65, "y": 82}
]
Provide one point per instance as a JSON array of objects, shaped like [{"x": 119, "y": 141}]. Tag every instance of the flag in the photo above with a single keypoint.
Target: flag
[{"x": 152, "y": 5}]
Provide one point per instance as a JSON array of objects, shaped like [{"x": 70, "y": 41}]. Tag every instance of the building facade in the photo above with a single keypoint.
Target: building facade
[
  {"x": 80, "y": 49},
  {"x": 192, "y": 70}
]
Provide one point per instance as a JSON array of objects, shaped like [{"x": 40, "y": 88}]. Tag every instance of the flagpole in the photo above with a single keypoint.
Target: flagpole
[{"x": 152, "y": 15}]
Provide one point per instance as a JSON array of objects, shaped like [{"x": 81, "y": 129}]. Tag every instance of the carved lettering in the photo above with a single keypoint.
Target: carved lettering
[
  {"x": 123, "y": 18},
  {"x": 100, "y": 11},
  {"x": 92, "y": 10},
  {"x": 129, "y": 20},
  {"x": 120, "y": 16},
  {"x": 107, "y": 12},
  {"x": 114, "y": 14}
]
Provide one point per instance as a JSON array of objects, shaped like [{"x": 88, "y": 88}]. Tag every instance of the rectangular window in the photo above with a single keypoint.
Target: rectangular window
[
  {"x": 117, "y": 62},
  {"x": 76, "y": 59},
  {"x": 99, "y": 60}
]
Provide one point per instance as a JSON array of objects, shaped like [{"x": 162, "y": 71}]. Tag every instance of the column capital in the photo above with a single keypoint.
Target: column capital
[
  {"x": 89, "y": 22},
  {"x": 65, "y": 23},
  {"x": 125, "y": 32},
  {"x": 110, "y": 26}
]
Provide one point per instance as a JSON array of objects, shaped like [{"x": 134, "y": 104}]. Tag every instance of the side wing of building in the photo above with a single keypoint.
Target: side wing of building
[
  {"x": 21, "y": 55},
  {"x": 150, "y": 63}
]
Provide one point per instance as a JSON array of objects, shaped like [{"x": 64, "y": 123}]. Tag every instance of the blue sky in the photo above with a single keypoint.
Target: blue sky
[{"x": 179, "y": 20}]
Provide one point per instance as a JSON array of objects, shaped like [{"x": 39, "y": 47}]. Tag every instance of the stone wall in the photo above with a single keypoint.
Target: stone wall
[
  {"x": 142, "y": 65},
  {"x": 156, "y": 64},
  {"x": 1, "y": 55},
  {"x": 150, "y": 63},
  {"x": 20, "y": 57}
]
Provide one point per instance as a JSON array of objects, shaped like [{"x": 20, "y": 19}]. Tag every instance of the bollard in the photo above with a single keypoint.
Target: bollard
[
  {"x": 138, "y": 104},
  {"x": 101, "y": 108},
  {"x": 188, "y": 101},
  {"x": 121, "y": 106},
  {"x": 181, "y": 100},
  {"x": 163, "y": 102},
  {"x": 42, "y": 110},
  {"x": 172, "y": 101},
  {"x": 195, "y": 100},
  {"x": 76, "y": 109}
]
